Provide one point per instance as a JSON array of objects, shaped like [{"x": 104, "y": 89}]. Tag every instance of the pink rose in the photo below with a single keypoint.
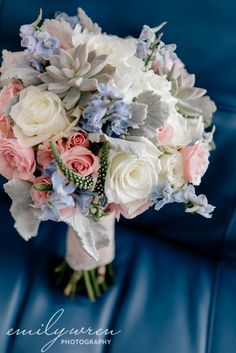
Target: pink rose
[
  {"x": 5, "y": 127},
  {"x": 44, "y": 154},
  {"x": 40, "y": 196},
  {"x": 165, "y": 134},
  {"x": 79, "y": 138},
  {"x": 195, "y": 160},
  {"x": 16, "y": 161},
  {"x": 81, "y": 161},
  {"x": 8, "y": 92}
]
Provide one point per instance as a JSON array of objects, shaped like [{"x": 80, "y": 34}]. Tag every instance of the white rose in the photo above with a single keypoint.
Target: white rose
[
  {"x": 133, "y": 172},
  {"x": 172, "y": 169},
  {"x": 38, "y": 116}
]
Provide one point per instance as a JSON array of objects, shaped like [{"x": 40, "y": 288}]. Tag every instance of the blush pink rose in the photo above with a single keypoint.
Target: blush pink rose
[
  {"x": 16, "y": 161},
  {"x": 81, "y": 161},
  {"x": 79, "y": 138},
  {"x": 195, "y": 160},
  {"x": 44, "y": 154},
  {"x": 40, "y": 196},
  {"x": 8, "y": 92},
  {"x": 5, "y": 127},
  {"x": 165, "y": 134}
]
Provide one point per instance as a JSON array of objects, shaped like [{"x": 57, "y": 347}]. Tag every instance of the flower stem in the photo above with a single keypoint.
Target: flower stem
[
  {"x": 89, "y": 286},
  {"x": 95, "y": 283}
]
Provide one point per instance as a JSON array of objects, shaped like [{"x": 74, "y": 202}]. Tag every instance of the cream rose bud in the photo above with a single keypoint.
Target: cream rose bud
[
  {"x": 133, "y": 172},
  {"x": 38, "y": 116},
  {"x": 172, "y": 169}
]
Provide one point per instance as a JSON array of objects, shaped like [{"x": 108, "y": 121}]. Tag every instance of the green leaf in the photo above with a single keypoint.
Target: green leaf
[{"x": 45, "y": 187}]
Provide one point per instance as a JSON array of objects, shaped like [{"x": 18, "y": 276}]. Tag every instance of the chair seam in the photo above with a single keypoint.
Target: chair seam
[{"x": 212, "y": 309}]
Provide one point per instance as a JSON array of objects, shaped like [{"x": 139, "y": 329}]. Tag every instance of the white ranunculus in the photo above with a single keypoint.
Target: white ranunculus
[
  {"x": 172, "y": 169},
  {"x": 38, "y": 116},
  {"x": 133, "y": 171}
]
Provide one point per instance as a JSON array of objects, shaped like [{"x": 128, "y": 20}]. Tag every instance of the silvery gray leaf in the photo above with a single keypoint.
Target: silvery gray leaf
[
  {"x": 157, "y": 112},
  {"x": 139, "y": 114},
  {"x": 26, "y": 223},
  {"x": 138, "y": 145},
  {"x": 16, "y": 65},
  {"x": 87, "y": 23},
  {"x": 91, "y": 235}
]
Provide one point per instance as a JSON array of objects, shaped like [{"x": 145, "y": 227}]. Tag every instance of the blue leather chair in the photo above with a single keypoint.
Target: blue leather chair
[{"x": 175, "y": 289}]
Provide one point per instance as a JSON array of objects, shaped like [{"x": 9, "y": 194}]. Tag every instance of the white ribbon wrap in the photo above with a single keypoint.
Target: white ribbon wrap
[{"x": 78, "y": 259}]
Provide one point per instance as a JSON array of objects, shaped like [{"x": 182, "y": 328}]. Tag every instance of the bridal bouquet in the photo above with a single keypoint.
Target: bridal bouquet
[{"x": 93, "y": 126}]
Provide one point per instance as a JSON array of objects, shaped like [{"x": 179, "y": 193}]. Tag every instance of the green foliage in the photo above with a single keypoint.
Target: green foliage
[{"x": 104, "y": 155}]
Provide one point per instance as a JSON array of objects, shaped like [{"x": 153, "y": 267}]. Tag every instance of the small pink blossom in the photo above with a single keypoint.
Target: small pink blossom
[
  {"x": 40, "y": 196},
  {"x": 79, "y": 138},
  {"x": 16, "y": 161},
  {"x": 165, "y": 134},
  {"x": 81, "y": 161},
  {"x": 195, "y": 160}
]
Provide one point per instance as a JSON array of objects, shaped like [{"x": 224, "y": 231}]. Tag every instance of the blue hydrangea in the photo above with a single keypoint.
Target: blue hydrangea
[
  {"x": 46, "y": 46},
  {"x": 107, "y": 112},
  {"x": 50, "y": 169},
  {"x": 60, "y": 198},
  {"x": 40, "y": 44},
  {"x": 83, "y": 201}
]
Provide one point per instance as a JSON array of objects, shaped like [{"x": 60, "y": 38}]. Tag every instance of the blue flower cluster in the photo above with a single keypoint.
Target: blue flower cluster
[
  {"x": 164, "y": 194},
  {"x": 106, "y": 112},
  {"x": 60, "y": 198},
  {"x": 40, "y": 44},
  {"x": 147, "y": 40}
]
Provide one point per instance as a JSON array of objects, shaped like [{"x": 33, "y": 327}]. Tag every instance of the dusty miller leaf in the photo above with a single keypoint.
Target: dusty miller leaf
[
  {"x": 26, "y": 223},
  {"x": 157, "y": 112}
]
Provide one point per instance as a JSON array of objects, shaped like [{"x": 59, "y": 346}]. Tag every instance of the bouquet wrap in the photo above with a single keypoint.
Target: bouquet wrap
[{"x": 79, "y": 260}]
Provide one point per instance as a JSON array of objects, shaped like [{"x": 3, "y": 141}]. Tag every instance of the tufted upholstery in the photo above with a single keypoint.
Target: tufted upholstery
[{"x": 175, "y": 289}]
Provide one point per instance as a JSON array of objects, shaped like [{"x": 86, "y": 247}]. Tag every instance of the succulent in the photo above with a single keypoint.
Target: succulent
[
  {"x": 192, "y": 101},
  {"x": 75, "y": 71}
]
